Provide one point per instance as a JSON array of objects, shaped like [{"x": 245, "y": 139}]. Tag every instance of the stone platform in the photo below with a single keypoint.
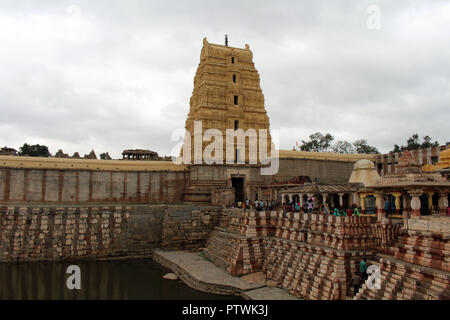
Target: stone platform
[{"x": 199, "y": 273}]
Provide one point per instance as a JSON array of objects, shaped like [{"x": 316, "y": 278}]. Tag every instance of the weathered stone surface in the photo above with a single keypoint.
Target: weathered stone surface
[{"x": 170, "y": 276}]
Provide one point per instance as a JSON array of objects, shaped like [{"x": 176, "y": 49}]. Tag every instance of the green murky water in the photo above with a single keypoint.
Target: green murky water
[{"x": 114, "y": 279}]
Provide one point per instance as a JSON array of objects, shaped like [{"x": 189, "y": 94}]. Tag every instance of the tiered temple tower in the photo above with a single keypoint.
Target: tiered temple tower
[{"x": 227, "y": 95}]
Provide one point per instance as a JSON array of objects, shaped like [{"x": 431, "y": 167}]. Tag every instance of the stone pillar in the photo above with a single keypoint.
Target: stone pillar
[
  {"x": 362, "y": 198},
  {"x": 443, "y": 203},
  {"x": 301, "y": 199},
  {"x": 379, "y": 203},
  {"x": 341, "y": 199},
  {"x": 354, "y": 199},
  {"x": 405, "y": 208},
  {"x": 290, "y": 197},
  {"x": 430, "y": 202},
  {"x": 415, "y": 202},
  {"x": 324, "y": 197}
]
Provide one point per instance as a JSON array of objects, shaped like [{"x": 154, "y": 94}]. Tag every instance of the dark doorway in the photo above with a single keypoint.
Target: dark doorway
[
  {"x": 424, "y": 209},
  {"x": 371, "y": 207},
  {"x": 238, "y": 185}
]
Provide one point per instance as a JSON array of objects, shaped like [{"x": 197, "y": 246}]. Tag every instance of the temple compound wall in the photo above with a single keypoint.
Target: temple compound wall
[
  {"x": 27, "y": 180},
  {"x": 44, "y": 233},
  {"x": 319, "y": 171}
]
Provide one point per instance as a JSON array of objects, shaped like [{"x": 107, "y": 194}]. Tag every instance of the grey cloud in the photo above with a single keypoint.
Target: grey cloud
[{"x": 120, "y": 73}]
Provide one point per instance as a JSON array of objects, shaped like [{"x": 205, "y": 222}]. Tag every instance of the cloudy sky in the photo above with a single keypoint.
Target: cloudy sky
[{"x": 112, "y": 75}]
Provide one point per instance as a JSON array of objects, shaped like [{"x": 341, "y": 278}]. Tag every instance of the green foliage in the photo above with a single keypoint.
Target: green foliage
[
  {"x": 105, "y": 156},
  {"x": 343, "y": 147},
  {"x": 34, "y": 150},
  {"x": 318, "y": 142},
  {"x": 413, "y": 143},
  {"x": 362, "y": 146}
]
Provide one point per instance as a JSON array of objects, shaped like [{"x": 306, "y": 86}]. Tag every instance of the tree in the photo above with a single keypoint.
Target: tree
[
  {"x": 343, "y": 147},
  {"x": 34, "y": 150},
  {"x": 427, "y": 142},
  {"x": 318, "y": 142},
  {"x": 413, "y": 143},
  {"x": 396, "y": 148},
  {"x": 362, "y": 146},
  {"x": 105, "y": 156}
]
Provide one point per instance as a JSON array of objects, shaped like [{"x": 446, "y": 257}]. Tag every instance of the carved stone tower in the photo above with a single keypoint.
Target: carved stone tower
[{"x": 227, "y": 95}]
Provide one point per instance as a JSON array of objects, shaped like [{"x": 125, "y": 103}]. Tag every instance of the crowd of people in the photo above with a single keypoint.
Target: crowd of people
[
  {"x": 308, "y": 206},
  {"x": 323, "y": 208},
  {"x": 258, "y": 205}
]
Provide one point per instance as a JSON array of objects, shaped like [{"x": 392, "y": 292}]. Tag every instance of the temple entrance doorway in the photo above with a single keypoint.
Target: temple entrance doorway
[{"x": 238, "y": 185}]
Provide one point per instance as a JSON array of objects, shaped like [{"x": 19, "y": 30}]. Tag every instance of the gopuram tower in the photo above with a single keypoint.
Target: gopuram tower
[{"x": 227, "y": 97}]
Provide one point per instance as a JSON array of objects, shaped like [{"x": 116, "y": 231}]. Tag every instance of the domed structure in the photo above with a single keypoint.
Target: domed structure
[
  {"x": 363, "y": 164},
  {"x": 364, "y": 172}
]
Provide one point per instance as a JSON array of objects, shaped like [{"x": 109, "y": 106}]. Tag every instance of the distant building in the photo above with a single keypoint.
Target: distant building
[
  {"x": 140, "y": 154},
  {"x": 91, "y": 155},
  {"x": 61, "y": 154},
  {"x": 388, "y": 163},
  {"x": 5, "y": 151}
]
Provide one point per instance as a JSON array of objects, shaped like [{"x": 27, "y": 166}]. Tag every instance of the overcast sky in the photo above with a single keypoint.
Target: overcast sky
[{"x": 113, "y": 75}]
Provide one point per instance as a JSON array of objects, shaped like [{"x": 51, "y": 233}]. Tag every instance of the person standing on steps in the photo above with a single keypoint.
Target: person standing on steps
[
  {"x": 363, "y": 268},
  {"x": 356, "y": 282}
]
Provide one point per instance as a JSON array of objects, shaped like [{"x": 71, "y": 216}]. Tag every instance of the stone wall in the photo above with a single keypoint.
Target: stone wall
[
  {"x": 185, "y": 228},
  {"x": 32, "y": 233},
  {"x": 88, "y": 186},
  {"x": 417, "y": 264},
  {"x": 309, "y": 255},
  {"x": 320, "y": 171}
]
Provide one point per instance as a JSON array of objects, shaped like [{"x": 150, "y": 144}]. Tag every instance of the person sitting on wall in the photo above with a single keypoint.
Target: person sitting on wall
[
  {"x": 326, "y": 209},
  {"x": 336, "y": 212},
  {"x": 356, "y": 212},
  {"x": 297, "y": 206},
  {"x": 349, "y": 213}
]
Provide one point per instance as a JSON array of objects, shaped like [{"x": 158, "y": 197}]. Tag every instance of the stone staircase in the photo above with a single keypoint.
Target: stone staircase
[
  {"x": 416, "y": 266},
  {"x": 312, "y": 256}
]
